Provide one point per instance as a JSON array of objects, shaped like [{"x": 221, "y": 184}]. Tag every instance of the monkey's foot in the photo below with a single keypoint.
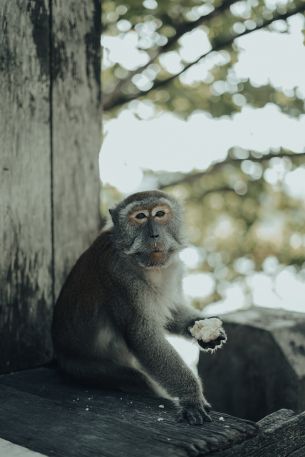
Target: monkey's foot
[
  {"x": 209, "y": 334},
  {"x": 194, "y": 415}
]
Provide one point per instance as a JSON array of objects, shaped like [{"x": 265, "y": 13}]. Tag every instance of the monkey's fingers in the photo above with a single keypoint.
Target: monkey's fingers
[
  {"x": 212, "y": 346},
  {"x": 215, "y": 317},
  {"x": 194, "y": 415},
  {"x": 207, "y": 405}
]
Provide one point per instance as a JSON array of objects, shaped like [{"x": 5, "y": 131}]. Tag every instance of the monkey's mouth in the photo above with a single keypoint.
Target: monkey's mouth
[
  {"x": 157, "y": 249},
  {"x": 157, "y": 257}
]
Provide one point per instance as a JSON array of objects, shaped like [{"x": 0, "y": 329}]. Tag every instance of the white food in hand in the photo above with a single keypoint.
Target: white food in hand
[
  {"x": 207, "y": 330},
  {"x": 209, "y": 333}
]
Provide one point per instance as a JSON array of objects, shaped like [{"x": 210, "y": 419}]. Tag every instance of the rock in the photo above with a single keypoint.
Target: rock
[{"x": 262, "y": 367}]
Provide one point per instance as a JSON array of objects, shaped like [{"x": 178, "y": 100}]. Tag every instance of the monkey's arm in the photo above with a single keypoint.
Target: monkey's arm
[
  {"x": 165, "y": 366},
  {"x": 183, "y": 317}
]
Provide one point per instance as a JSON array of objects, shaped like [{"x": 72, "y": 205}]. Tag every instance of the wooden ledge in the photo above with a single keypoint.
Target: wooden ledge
[{"x": 41, "y": 411}]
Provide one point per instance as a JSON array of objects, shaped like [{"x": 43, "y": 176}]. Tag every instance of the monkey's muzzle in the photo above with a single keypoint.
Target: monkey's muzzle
[
  {"x": 154, "y": 258},
  {"x": 157, "y": 256}
]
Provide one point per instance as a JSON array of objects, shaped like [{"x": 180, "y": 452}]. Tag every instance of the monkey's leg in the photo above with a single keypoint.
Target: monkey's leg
[
  {"x": 131, "y": 380},
  {"x": 106, "y": 374},
  {"x": 166, "y": 367}
]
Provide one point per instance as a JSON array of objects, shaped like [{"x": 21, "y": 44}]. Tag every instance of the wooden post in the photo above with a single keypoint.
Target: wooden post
[
  {"x": 25, "y": 185},
  {"x": 50, "y": 139},
  {"x": 76, "y": 129}
]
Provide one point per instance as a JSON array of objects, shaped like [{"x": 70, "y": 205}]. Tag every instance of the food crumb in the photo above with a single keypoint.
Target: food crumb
[
  {"x": 221, "y": 418},
  {"x": 207, "y": 330},
  {"x": 161, "y": 406},
  {"x": 160, "y": 419},
  {"x": 87, "y": 408}
]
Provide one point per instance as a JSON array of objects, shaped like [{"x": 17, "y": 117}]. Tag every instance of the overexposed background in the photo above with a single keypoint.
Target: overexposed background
[{"x": 146, "y": 142}]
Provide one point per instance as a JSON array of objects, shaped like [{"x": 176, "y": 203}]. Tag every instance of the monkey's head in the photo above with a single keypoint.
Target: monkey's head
[{"x": 148, "y": 227}]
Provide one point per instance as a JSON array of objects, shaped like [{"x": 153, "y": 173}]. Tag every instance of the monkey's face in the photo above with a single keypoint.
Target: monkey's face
[{"x": 150, "y": 230}]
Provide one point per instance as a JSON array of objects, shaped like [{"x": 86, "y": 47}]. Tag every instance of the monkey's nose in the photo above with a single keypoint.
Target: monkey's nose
[{"x": 154, "y": 236}]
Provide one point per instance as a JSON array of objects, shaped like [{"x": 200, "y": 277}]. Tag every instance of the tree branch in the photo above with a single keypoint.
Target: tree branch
[
  {"x": 216, "y": 166},
  {"x": 180, "y": 30},
  {"x": 214, "y": 190},
  {"x": 217, "y": 46}
]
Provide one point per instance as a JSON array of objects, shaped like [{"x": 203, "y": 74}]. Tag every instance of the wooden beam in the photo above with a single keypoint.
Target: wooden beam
[
  {"x": 25, "y": 185},
  {"x": 47, "y": 413},
  {"x": 76, "y": 129},
  {"x": 281, "y": 434},
  {"x": 41, "y": 411},
  {"x": 50, "y": 130}
]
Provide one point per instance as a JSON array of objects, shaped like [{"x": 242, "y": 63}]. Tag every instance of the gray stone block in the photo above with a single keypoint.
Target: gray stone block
[{"x": 261, "y": 368}]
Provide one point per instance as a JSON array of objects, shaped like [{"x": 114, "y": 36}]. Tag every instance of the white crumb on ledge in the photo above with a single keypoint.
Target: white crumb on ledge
[{"x": 207, "y": 330}]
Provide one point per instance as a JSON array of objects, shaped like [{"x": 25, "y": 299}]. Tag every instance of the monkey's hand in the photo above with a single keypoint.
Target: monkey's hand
[
  {"x": 194, "y": 414},
  {"x": 209, "y": 334}
]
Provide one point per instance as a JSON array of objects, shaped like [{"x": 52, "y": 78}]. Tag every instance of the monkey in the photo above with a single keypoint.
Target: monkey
[{"x": 121, "y": 299}]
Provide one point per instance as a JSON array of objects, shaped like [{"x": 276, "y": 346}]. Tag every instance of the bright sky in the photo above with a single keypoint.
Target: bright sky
[{"x": 168, "y": 143}]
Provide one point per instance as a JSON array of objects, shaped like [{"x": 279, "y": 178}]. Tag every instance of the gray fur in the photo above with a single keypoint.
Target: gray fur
[{"x": 122, "y": 296}]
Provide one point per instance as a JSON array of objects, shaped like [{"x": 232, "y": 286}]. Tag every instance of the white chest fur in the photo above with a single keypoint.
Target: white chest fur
[{"x": 164, "y": 291}]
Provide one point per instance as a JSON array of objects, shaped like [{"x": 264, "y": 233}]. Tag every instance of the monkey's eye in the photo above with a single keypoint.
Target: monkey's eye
[
  {"x": 140, "y": 216},
  {"x": 160, "y": 213}
]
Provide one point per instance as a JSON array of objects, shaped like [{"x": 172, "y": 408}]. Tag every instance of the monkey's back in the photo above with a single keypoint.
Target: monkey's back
[{"x": 82, "y": 306}]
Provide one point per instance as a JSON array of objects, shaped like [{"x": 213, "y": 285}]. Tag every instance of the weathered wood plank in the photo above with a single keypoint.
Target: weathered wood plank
[
  {"x": 76, "y": 129},
  {"x": 275, "y": 420},
  {"x": 25, "y": 188},
  {"x": 44, "y": 413},
  {"x": 53, "y": 429},
  {"x": 50, "y": 139},
  {"x": 143, "y": 426},
  {"x": 280, "y": 435}
]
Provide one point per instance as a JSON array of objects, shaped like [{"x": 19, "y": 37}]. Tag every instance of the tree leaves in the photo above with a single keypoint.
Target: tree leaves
[
  {"x": 161, "y": 29},
  {"x": 240, "y": 210}
]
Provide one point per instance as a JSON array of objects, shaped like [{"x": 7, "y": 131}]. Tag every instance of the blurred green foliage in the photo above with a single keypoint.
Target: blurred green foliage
[
  {"x": 158, "y": 28},
  {"x": 243, "y": 218},
  {"x": 239, "y": 212}
]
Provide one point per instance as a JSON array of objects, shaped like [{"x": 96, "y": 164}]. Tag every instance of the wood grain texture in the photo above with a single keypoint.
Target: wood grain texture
[
  {"x": 283, "y": 435},
  {"x": 49, "y": 414},
  {"x": 45, "y": 413},
  {"x": 76, "y": 129},
  {"x": 25, "y": 188},
  {"x": 50, "y": 139}
]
